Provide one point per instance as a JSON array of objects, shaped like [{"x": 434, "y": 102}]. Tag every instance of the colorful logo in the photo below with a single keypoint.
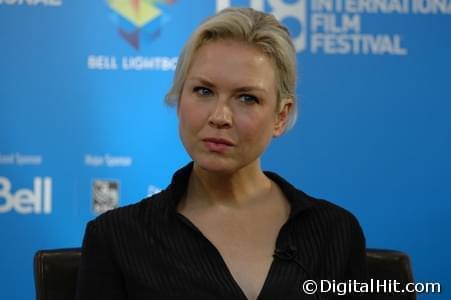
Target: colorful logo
[{"x": 139, "y": 21}]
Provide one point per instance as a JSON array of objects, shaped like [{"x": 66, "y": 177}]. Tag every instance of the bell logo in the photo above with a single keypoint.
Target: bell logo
[{"x": 26, "y": 201}]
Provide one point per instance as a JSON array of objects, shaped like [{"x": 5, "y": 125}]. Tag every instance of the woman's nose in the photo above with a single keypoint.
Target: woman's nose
[{"x": 221, "y": 117}]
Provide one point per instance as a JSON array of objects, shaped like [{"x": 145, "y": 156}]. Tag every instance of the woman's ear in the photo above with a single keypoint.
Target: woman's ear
[{"x": 281, "y": 121}]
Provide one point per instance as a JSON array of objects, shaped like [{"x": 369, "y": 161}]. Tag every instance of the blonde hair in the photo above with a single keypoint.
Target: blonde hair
[{"x": 255, "y": 28}]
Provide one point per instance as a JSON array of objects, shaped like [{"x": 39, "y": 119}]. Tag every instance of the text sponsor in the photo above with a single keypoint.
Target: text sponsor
[
  {"x": 20, "y": 159},
  {"x": 374, "y": 286},
  {"x": 131, "y": 63},
  {"x": 337, "y": 27},
  {"x": 37, "y": 200},
  {"x": 107, "y": 160},
  {"x": 32, "y": 2}
]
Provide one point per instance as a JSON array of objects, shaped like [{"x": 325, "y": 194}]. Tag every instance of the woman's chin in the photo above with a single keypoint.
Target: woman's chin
[{"x": 216, "y": 165}]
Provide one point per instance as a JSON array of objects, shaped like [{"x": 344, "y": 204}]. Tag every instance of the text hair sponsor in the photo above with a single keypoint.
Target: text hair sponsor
[
  {"x": 107, "y": 160},
  {"x": 27, "y": 201}
]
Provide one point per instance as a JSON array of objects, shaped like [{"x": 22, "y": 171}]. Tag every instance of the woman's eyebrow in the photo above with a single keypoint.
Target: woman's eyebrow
[
  {"x": 241, "y": 89},
  {"x": 201, "y": 80},
  {"x": 251, "y": 88}
]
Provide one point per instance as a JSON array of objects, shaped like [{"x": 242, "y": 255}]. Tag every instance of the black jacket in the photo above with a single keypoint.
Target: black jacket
[{"x": 149, "y": 251}]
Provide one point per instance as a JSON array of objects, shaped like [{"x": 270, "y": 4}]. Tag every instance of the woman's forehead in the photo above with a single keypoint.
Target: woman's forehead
[{"x": 231, "y": 61}]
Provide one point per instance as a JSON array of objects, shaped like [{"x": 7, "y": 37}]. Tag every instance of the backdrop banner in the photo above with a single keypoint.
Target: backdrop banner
[{"x": 84, "y": 129}]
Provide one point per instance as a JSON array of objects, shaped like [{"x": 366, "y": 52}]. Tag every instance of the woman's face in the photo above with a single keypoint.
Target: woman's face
[{"x": 227, "y": 109}]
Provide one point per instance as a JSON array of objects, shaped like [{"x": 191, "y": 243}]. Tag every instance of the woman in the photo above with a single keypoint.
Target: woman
[{"x": 224, "y": 229}]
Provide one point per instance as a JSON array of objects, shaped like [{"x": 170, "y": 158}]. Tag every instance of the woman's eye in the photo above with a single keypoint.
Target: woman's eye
[
  {"x": 202, "y": 91},
  {"x": 249, "y": 99}
]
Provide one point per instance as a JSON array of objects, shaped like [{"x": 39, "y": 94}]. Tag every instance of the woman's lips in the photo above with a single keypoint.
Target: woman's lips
[{"x": 217, "y": 144}]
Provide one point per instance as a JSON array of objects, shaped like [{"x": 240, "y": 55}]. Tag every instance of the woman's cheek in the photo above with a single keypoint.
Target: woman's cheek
[
  {"x": 248, "y": 121},
  {"x": 193, "y": 118}
]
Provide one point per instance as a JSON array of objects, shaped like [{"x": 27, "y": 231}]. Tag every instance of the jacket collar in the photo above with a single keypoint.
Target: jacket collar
[{"x": 299, "y": 201}]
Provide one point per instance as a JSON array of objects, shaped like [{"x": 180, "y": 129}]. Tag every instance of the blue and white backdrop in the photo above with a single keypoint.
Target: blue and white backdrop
[{"x": 83, "y": 127}]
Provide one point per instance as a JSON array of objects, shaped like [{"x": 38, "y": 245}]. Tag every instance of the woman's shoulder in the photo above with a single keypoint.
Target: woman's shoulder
[
  {"x": 333, "y": 222},
  {"x": 333, "y": 212},
  {"x": 135, "y": 214},
  {"x": 313, "y": 207},
  {"x": 121, "y": 231}
]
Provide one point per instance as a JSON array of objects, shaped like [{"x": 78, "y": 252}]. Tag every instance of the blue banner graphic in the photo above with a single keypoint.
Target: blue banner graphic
[{"x": 83, "y": 127}]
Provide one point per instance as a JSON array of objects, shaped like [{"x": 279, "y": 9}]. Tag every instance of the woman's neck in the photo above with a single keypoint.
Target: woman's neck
[{"x": 239, "y": 189}]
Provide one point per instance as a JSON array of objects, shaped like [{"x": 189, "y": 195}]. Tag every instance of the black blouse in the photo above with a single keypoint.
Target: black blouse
[{"x": 150, "y": 251}]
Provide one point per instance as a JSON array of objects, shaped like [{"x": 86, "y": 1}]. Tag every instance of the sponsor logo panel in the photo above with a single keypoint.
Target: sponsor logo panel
[
  {"x": 337, "y": 27},
  {"x": 138, "y": 23},
  {"x": 105, "y": 195},
  {"x": 36, "y": 199}
]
